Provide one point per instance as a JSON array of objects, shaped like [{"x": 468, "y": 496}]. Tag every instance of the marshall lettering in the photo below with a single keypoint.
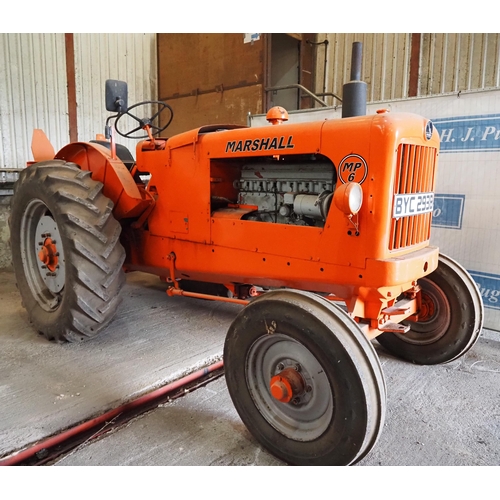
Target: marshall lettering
[{"x": 264, "y": 144}]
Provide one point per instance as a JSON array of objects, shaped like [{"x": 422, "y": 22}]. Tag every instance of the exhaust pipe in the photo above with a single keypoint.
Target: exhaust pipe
[{"x": 354, "y": 92}]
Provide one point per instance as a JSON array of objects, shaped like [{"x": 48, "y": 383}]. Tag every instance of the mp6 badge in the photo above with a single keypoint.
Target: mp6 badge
[{"x": 353, "y": 168}]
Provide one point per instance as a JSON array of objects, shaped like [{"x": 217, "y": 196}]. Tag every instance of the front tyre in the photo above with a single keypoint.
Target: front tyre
[
  {"x": 450, "y": 319},
  {"x": 66, "y": 252},
  {"x": 304, "y": 379}
]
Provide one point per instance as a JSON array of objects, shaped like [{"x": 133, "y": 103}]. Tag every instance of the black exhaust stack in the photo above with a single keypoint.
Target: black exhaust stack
[{"x": 354, "y": 92}]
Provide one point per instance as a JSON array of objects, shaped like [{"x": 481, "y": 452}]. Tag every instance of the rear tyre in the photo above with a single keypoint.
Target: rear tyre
[
  {"x": 66, "y": 252},
  {"x": 450, "y": 322},
  {"x": 304, "y": 379}
]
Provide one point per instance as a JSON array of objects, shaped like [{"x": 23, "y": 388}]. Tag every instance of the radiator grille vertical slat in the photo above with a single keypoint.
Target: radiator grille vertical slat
[
  {"x": 415, "y": 169},
  {"x": 424, "y": 157},
  {"x": 396, "y": 228}
]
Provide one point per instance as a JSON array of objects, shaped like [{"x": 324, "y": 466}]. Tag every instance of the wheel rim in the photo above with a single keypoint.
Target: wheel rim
[
  {"x": 42, "y": 255},
  {"x": 307, "y": 414},
  {"x": 434, "y": 318}
]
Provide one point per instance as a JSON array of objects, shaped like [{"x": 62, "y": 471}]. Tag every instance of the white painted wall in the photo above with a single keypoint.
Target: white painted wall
[
  {"x": 33, "y": 89},
  {"x": 130, "y": 57},
  {"x": 33, "y": 94}
]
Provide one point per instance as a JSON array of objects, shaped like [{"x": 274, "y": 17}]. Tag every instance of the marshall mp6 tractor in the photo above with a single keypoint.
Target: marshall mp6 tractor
[{"x": 320, "y": 230}]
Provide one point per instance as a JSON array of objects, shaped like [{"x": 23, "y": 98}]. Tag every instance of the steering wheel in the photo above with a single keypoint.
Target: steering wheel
[{"x": 143, "y": 122}]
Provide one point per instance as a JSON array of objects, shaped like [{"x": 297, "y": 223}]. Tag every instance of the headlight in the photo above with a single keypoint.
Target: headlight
[{"x": 349, "y": 198}]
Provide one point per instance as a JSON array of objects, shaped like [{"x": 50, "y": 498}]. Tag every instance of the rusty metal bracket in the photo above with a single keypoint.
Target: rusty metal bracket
[
  {"x": 171, "y": 279},
  {"x": 176, "y": 290}
]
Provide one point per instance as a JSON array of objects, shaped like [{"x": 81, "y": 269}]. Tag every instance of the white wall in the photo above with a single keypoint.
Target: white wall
[
  {"x": 33, "y": 88},
  {"x": 130, "y": 57},
  {"x": 33, "y": 92}
]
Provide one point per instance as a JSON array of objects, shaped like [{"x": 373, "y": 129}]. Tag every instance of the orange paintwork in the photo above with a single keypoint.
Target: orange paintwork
[
  {"x": 218, "y": 246},
  {"x": 286, "y": 385},
  {"x": 49, "y": 255},
  {"x": 349, "y": 257},
  {"x": 277, "y": 115},
  {"x": 41, "y": 147},
  {"x": 119, "y": 186}
]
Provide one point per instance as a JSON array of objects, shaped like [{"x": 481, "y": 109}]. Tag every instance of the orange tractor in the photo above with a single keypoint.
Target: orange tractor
[{"x": 321, "y": 230}]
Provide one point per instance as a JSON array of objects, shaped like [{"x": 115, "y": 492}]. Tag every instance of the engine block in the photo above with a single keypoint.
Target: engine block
[{"x": 298, "y": 193}]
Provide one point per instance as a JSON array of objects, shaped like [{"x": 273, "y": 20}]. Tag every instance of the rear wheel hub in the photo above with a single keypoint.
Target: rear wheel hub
[
  {"x": 49, "y": 251},
  {"x": 49, "y": 255}
]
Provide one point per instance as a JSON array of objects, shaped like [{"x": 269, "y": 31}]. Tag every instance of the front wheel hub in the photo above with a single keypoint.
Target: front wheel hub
[
  {"x": 287, "y": 385},
  {"x": 427, "y": 308}
]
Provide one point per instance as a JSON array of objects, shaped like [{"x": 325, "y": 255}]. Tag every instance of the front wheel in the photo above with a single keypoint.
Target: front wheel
[
  {"x": 304, "y": 379},
  {"x": 450, "y": 318},
  {"x": 66, "y": 252}
]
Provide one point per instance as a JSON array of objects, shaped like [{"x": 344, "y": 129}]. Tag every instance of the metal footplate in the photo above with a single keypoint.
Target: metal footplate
[
  {"x": 401, "y": 310},
  {"x": 393, "y": 327}
]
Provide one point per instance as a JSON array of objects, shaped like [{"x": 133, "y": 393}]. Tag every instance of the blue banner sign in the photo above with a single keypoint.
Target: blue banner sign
[
  {"x": 469, "y": 133},
  {"x": 448, "y": 210},
  {"x": 489, "y": 286}
]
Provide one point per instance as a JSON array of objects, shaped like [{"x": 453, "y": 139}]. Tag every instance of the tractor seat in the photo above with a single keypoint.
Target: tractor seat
[{"x": 121, "y": 151}]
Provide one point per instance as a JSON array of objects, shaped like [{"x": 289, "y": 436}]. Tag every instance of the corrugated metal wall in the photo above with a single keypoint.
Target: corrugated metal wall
[
  {"x": 33, "y": 85},
  {"x": 33, "y": 93},
  {"x": 130, "y": 57},
  {"x": 385, "y": 66},
  {"x": 448, "y": 62}
]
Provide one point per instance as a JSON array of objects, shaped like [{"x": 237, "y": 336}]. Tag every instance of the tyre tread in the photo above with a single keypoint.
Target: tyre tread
[{"x": 93, "y": 253}]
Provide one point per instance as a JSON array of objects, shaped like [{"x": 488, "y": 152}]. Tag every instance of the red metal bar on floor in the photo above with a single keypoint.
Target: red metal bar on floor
[{"x": 85, "y": 426}]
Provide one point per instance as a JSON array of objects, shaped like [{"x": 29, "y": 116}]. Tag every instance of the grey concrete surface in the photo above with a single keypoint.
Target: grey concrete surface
[
  {"x": 436, "y": 415},
  {"x": 46, "y": 387},
  {"x": 445, "y": 415},
  {"x": 5, "y": 255}
]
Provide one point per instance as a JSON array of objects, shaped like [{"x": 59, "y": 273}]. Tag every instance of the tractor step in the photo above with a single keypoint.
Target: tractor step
[
  {"x": 393, "y": 327},
  {"x": 401, "y": 307}
]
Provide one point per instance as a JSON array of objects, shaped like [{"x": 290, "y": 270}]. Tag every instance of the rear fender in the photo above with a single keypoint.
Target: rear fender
[{"x": 119, "y": 185}]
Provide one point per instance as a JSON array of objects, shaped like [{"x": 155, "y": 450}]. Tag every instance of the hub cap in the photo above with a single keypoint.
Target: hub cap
[
  {"x": 42, "y": 255},
  {"x": 50, "y": 254},
  {"x": 289, "y": 387}
]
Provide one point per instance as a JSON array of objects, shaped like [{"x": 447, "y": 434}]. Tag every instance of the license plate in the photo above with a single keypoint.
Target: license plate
[{"x": 412, "y": 204}]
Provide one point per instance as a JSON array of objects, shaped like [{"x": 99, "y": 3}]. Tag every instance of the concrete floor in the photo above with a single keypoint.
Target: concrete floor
[{"x": 436, "y": 415}]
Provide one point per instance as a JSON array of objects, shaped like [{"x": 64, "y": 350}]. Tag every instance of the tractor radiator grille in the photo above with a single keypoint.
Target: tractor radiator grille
[{"x": 415, "y": 173}]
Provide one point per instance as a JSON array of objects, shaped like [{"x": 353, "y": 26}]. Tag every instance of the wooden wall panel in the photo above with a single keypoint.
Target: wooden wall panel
[
  {"x": 190, "y": 63},
  {"x": 210, "y": 78},
  {"x": 228, "y": 107}
]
